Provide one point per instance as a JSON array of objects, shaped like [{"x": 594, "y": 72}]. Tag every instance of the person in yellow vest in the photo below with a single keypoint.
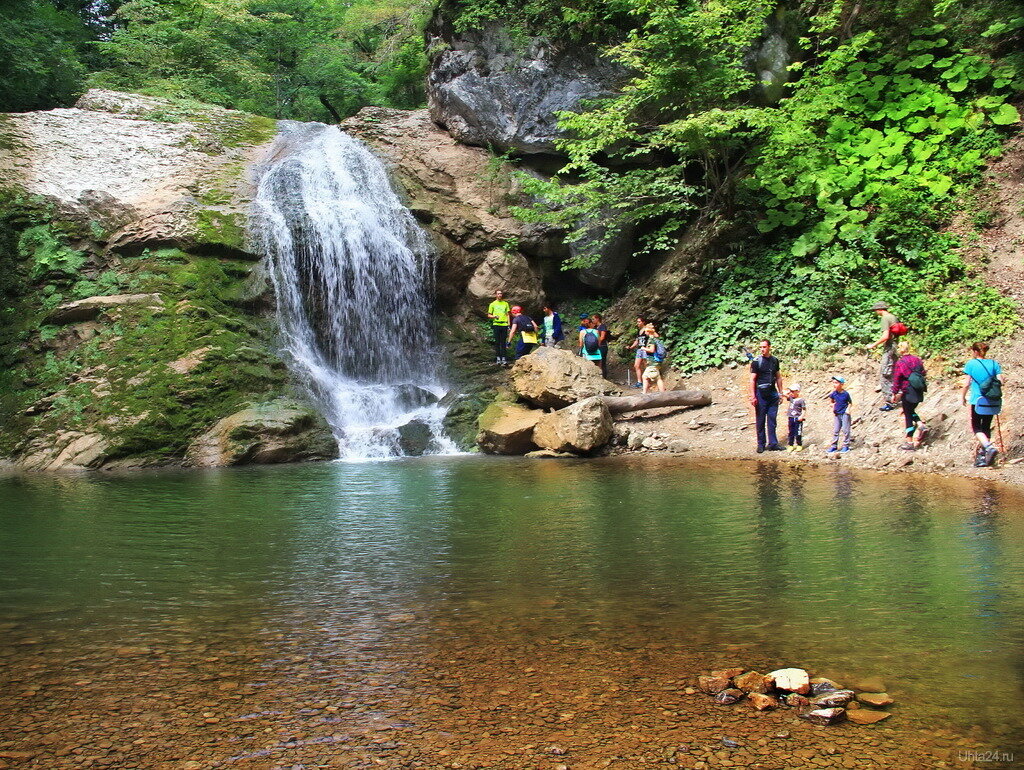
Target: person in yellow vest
[
  {"x": 499, "y": 312},
  {"x": 526, "y": 328}
]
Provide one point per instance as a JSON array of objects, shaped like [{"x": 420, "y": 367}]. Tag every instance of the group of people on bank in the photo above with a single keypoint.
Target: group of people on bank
[
  {"x": 902, "y": 376},
  {"x": 509, "y": 323},
  {"x": 902, "y": 383}
]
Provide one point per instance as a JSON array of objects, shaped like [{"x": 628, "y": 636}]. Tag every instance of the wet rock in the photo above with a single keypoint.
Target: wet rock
[
  {"x": 88, "y": 309},
  {"x": 414, "y": 438},
  {"x": 821, "y": 684},
  {"x": 795, "y": 700},
  {"x": 712, "y": 684},
  {"x": 542, "y": 453},
  {"x": 731, "y": 743},
  {"x": 489, "y": 88},
  {"x": 832, "y": 699},
  {"x": 635, "y": 440},
  {"x": 65, "y": 449},
  {"x": 752, "y": 681},
  {"x": 866, "y": 716},
  {"x": 552, "y": 379},
  {"x": 412, "y": 396},
  {"x": 507, "y": 429},
  {"x": 876, "y": 699},
  {"x": 582, "y": 427},
  {"x": 728, "y": 673},
  {"x": 869, "y": 684},
  {"x": 827, "y": 716},
  {"x": 653, "y": 443},
  {"x": 791, "y": 680},
  {"x": 278, "y": 431},
  {"x": 762, "y": 702},
  {"x": 728, "y": 696}
]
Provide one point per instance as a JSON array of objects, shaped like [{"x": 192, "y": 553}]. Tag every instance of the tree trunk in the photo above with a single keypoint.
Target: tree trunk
[
  {"x": 330, "y": 108},
  {"x": 621, "y": 404}
]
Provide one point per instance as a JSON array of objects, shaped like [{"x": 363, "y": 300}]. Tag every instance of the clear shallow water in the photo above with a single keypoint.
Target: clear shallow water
[{"x": 917, "y": 580}]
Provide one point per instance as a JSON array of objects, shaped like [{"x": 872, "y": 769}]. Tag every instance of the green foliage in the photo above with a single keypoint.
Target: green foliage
[
  {"x": 41, "y": 65},
  {"x": 302, "y": 59},
  {"x": 48, "y": 252}
]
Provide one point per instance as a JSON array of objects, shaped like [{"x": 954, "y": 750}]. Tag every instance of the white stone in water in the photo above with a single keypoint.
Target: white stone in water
[{"x": 791, "y": 680}]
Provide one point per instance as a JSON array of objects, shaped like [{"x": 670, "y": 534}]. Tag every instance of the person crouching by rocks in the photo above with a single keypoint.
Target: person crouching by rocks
[
  {"x": 765, "y": 395},
  {"x": 841, "y": 417},
  {"x": 590, "y": 341},
  {"x": 656, "y": 354},
  {"x": 553, "y": 333},
  {"x": 908, "y": 388},
  {"x": 983, "y": 389},
  {"x": 796, "y": 415},
  {"x": 526, "y": 328},
  {"x": 640, "y": 346}
]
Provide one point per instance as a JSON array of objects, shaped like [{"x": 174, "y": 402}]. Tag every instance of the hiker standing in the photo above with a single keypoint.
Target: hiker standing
[
  {"x": 887, "y": 340},
  {"x": 498, "y": 311},
  {"x": 908, "y": 387},
  {"x": 526, "y": 328},
  {"x": 640, "y": 346},
  {"x": 842, "y": 420},
  {"x": 765, "y": 395},
  {"x": 795, "y": 413},
  {"x": 605, "y": 337},
  {"x": 983, "y": 389},
  {"x": 656, "y": 353},
  {"x": 590, "y": 341},
  {"x": 553, "y": 333}
]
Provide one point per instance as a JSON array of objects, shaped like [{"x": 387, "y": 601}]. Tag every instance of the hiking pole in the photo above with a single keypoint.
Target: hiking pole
[{"x": 999, "y": 428}]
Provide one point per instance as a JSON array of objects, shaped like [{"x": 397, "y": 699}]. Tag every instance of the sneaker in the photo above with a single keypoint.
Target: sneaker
[
  {"x": 638, "y": 385},
  {"x": 798, "y": 448},
  {"x": 990, "y": 455},
  {"x": 908, "y": 447},
  {"x": 776, "y": 448},
  {"x": 831, "y": 450},
  {"x": 845, "y": 449},
  {"x": 791, "y": 448},
  {"x": 760, "y": 449},
  {"x": 886, "y": 408}
]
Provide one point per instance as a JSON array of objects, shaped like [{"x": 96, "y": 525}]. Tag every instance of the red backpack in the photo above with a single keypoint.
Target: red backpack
[{"x": 898, "y": 329}]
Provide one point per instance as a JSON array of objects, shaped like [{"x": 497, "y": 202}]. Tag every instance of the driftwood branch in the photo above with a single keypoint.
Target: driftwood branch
[{"x": 621, "y": 404}]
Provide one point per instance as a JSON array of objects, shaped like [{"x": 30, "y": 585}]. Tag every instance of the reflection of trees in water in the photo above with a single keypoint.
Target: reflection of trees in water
[
  {"x": 768, "y": 531},
  {"x": 846, "y": 533}
]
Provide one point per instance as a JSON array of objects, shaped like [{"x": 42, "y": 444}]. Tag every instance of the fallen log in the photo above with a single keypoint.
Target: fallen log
[{"x": 621, "y": 404}]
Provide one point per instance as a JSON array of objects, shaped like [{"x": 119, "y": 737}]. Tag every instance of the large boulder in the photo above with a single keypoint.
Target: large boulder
[
  {"x": 489, "y": 87},
  {"x": 89, "y": 308},
  {"x": 552, "y": 378},
  {"x": 507, "y": 429},
  {"x": 278, "y": 431},
  {"x": 509, "y": 272},
  {"x": 582, "y": 427}
]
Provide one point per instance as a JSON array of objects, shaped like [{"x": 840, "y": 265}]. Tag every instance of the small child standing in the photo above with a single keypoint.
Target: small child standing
[
  {"x": 797, "y": 406},
  {"x": 841, "y": 403}
]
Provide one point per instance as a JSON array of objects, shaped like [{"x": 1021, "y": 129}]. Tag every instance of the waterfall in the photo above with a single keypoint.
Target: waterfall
[{"x": 353, "y": 277}]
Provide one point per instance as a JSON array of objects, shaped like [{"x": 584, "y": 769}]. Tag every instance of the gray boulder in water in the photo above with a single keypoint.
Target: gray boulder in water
[{"x": 414, "y": 438}]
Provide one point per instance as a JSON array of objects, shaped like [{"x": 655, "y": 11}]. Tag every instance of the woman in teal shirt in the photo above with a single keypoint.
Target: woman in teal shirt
[{"x": 983, "y": 387}]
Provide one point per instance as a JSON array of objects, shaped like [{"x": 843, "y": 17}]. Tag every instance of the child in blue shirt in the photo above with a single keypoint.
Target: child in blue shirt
[{"x": 841, "y": 420}]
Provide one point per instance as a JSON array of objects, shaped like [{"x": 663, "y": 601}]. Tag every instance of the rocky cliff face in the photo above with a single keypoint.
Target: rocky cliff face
[
  {"x": 134, "y": 315},
  {"x": 490, "y": 89}
]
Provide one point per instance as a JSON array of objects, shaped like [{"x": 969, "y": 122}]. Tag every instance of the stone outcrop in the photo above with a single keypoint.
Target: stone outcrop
[
  {"x": 462, "y": 197},
  {"x": 489, "y": 88},
  {"x": 551, "y": 378},
  {"x": 279, "y": 431},
  {"x": 88, "y": 309},
  {"x": 507, "y": 429},
  {"x": 581, "y": 427}
]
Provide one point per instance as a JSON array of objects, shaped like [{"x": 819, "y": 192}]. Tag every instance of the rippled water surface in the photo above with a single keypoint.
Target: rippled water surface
[{"x": 916, "y": 580}]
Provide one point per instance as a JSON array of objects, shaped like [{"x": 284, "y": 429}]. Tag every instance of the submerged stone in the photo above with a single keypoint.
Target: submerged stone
[
  {"x": 827, "y": 716},
  {"x": 834, "y": 698},
  {"x": 866, "y": 716},
  {"x": 876, "y": 699},
  {"x": 730, "y": 695}
]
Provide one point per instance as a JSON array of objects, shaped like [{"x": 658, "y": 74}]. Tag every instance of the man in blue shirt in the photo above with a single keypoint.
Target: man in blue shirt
[{"x": 841, "y": 419}]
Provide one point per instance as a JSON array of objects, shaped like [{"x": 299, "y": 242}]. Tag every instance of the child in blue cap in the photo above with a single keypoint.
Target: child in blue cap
[{"x": 841, "y": 419}]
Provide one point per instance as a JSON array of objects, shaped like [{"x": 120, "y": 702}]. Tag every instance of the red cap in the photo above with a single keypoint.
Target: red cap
[{"x": 516, "y": 309}]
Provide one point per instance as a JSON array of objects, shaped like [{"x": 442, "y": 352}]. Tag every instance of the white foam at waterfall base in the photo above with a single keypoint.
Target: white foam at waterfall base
[{"x": 353, "y": 278}]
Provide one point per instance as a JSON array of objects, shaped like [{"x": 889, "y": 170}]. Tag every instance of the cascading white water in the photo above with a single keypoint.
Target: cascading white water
[{"x": 353, "y": 275}]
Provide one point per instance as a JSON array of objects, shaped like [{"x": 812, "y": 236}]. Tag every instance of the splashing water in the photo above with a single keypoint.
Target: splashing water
[{"x": 353, "y": 276}]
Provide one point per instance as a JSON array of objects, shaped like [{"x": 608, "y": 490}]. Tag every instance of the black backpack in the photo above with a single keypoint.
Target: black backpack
[
  {"x": 916, "y": 380},
  {"x": 991, "y": 389},
  {"x": 591, "y": 341}
]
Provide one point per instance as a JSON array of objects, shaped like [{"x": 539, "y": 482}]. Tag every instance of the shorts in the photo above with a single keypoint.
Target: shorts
[
  {"x": 641, "y": 355},
  {"x": 652, "y": 373}
]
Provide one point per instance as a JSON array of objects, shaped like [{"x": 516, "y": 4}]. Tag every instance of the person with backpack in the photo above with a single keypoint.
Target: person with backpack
[
  {"x": 526, "y": 328},
  {"x": 640, "y": 346},
  {"x": 605, "y": 336},
  {"x": 909, "y": 384},
  {"x": 590, "y": 341},
  {"x": 766, "y": 395},
  {"x": 656, "y": 354},
  {"x": 983, "y": 389},
  {"x": 891, "y": 328}
]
